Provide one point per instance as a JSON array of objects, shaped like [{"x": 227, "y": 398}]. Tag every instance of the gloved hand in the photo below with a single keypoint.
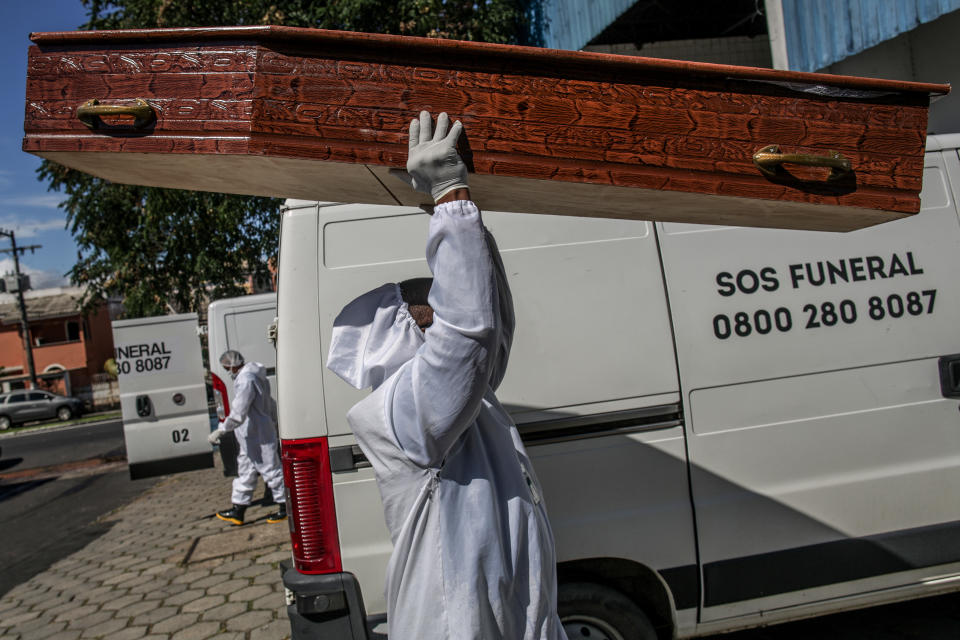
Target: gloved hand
[
  {"x": 214, "y": 436},
  {"x": 434, "y": 166}
]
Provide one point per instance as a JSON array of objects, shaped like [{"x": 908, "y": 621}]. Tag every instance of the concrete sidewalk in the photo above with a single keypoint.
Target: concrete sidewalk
[{"x": 166, "y": 569}]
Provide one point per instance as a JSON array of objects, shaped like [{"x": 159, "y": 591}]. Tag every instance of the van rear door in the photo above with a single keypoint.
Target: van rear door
[
  {"x": 162, "y": 395},
  {"x": 825, "y": 459},
  {"x": 241, "y": 324}
]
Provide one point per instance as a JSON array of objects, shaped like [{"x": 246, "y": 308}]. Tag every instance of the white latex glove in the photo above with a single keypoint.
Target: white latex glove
[
  {"x": 434, "y": 166},
  {"x": 214, "y": 436}
]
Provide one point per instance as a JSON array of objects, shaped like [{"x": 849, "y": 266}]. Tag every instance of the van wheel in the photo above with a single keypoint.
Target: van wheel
[
  {"x": 595, "y": 612},
  {"x": 5, "y": 423},
  {"x": 64, "y": 414}
]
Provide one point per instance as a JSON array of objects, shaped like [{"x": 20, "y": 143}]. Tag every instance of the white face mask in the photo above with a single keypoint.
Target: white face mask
[{"x": 372, "y": 337}]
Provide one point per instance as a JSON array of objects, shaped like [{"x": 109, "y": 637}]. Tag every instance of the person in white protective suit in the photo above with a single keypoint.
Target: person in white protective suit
[
  {"x": 253, "y": 419},
  {"x": 473, "y": 555}
]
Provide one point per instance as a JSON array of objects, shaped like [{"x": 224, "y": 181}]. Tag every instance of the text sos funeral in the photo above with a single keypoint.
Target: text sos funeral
[{"x": 898, "y": 302}]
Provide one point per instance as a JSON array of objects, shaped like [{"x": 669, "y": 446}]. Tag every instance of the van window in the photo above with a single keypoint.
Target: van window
[{"x": 246, "y": 331}]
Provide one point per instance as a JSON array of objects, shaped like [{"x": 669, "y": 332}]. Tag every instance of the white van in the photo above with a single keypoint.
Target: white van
[
  {"x": 163, "y": 398},
  {"x": 733, "y": 427},
  {"x": 241, "y": 324}
]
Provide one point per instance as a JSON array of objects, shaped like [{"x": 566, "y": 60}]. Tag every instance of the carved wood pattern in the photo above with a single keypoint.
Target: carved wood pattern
[
  {"x": 593, "y": 118},
  {"x": 208, "y": 60}
]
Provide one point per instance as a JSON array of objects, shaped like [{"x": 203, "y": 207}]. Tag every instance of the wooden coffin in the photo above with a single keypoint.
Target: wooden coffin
[{"x": 314, "y": 114}]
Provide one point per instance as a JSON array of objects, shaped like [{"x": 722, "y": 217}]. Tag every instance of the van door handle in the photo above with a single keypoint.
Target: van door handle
[
  {"x": 144, "y": 409},
  {"x": 950, "y": 376}
]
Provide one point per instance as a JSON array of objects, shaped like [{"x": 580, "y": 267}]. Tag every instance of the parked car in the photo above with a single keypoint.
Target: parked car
[{"x": 27, "y": 405}]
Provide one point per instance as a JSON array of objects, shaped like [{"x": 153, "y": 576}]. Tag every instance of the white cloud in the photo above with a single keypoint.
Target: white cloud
[
  {"x": 43, "y": 200},
  {"x": 30, "y": 228},
  {"x": 25, "y": 224},
  {"x": 39, "y": 278}
]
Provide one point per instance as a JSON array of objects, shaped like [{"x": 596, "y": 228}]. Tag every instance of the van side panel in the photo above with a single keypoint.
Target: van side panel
[
  {"x": 162, "y": 394},
  {"x": 591, "y": 383},
  {"x": 299, "y": 392},
  {"x": 592, "y": 325},
  {"x": 824, "y": 458}
]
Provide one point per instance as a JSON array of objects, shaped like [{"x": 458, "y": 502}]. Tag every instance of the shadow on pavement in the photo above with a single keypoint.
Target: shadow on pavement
[
  {"x": 46, "y": 519},
  {"x": 8, "y": 491},
  {"x": 34, "y": 562},
  {"x": 9, "y": 463}
]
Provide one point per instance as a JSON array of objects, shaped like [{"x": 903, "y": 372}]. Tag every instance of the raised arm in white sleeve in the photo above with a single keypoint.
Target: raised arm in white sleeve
[
  {"x": 437, "y": 394},
  {"x": 244, "y": 393}
]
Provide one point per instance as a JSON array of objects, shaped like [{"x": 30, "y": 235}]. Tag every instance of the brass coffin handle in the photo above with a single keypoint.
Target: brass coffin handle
[
  {"x": 769, "y": 159},
  {"x": 90, "y": 111}
]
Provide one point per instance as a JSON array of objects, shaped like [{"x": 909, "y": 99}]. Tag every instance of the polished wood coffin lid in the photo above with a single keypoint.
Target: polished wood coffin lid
[{"x": 322, "y": 115}]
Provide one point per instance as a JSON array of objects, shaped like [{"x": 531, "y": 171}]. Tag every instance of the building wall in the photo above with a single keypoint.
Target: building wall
[
  {"x": 739, "y": 50},
  {"x": 83, "y": 358},
  {"x": 571, "y": 24},
  {"x": 99, "y": 345},
  {"x": 68, "y": 355},
  {"x": 11, "y": 347},
  {"x": 929, "y": 53},
  {"x": 822, "y": 32}
]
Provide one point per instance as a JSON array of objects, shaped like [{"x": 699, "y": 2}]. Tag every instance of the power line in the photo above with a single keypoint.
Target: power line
[
  {"x": 25, "y": 326},
  {"x": 20, "y": 250}
]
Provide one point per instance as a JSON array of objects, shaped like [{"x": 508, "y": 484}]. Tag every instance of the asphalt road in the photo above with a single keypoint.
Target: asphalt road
[
  {"x": 57, "y": 445},
  {"x": 46, "y": 516}
]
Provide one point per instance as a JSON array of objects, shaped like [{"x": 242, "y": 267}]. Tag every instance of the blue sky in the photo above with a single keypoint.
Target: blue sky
[{"x": 25, "y": 204}]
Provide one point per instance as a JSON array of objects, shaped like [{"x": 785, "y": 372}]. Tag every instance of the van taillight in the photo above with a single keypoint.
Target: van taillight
[
  {"x": 313, "y": 519},
  {"x": 220, "y": 397}
]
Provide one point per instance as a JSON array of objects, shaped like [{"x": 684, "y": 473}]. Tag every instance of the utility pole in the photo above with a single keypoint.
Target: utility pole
[{"x": 25, "y": 326}]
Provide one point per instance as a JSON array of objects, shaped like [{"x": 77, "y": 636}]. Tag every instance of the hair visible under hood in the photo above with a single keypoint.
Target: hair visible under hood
[
  {"x": 373, "y": 336},
  {"x": 231, "y": 358}
]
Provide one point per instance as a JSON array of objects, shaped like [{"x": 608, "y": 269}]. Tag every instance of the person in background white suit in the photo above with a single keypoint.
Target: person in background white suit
[
  {"x": 473, "y": 553},
  {"x": 253, "y": 419}
]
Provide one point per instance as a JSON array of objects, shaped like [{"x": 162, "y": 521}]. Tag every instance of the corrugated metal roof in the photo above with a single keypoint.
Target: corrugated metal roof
[
  {"x": 821, "y": 32},
  {"x": 41, "y": 308},
  {"x": 571, "y": 24}
]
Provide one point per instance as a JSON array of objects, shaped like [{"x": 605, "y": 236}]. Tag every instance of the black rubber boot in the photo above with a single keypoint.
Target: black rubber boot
[
  {"x": 233, "y": 515},
  {"x": 280, "y": 515},
  {"x": 267, "y": 498}
]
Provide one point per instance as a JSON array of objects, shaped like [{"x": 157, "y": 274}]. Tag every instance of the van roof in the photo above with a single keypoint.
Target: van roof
[
  {"x": 242, "y": 301},
  {"x": 943, "y": 141}
]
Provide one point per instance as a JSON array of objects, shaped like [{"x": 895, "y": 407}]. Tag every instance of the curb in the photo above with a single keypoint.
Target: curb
[
  {"x": 72, "y": 469},
  {"x": 54, "y": 426}
]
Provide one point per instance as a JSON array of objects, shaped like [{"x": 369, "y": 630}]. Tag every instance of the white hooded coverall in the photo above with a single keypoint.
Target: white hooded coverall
[
  {"x": 473, "y": 555},
  {"x": 253, "y": 418}
]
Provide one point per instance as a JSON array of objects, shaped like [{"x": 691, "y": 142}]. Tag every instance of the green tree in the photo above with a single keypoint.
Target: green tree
[{"x": 161, "y": 248}]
